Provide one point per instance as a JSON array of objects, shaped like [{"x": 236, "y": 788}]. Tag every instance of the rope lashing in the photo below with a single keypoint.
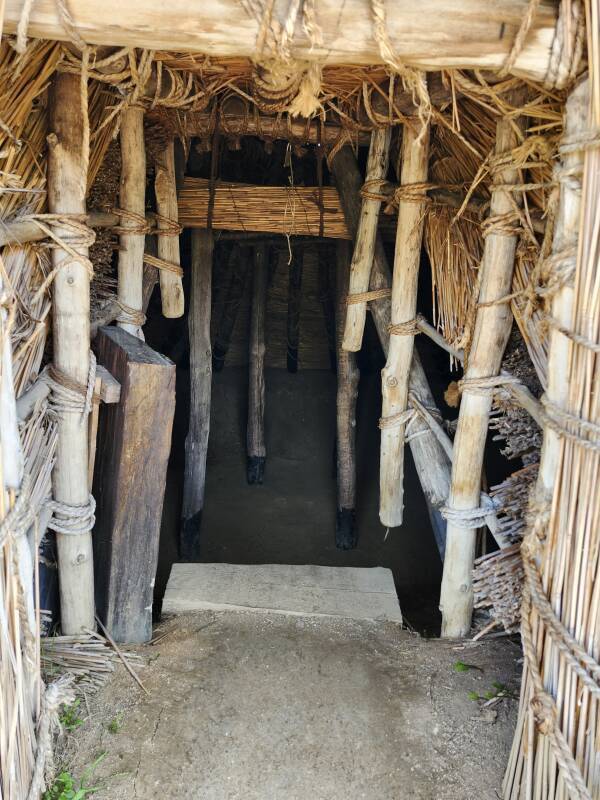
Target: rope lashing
[
  {"x": 409, "y": 417},
  {"x": 139, "y": 224},
  {"x": 488, "y": 385},
  {"x": 20, "y": 517},
  {"x": 579, "y": 142},
  {"x": 470, "y": 518},
  {"x": 72, "y": 520},
  {"x": 394, "y": 420},
  {"x": 74, "y": 232},
  {"x": 379, "y": 189},
  {"x": 519, "y": 42},
  {"x": 160, "y": 263},
  {"x": 412, "y": 193},
  {"x": 570, "y": 426},
  {"x": 576, "y": 338},
  {"x": 167, "y": 227},
  {"x": 408, "y": 328},
  {"x": 129, "y": 315},
  {"x": 507, "y": 224},
  {"x": 68, "y": 396},
  {"x": 366, "y": 297}
]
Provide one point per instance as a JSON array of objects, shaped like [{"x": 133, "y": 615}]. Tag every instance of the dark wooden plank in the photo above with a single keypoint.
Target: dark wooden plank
[
  {"x": 255, "y": 435},
  {"x": 196, "y": 443},
  {"x": 134, "y": 440}
]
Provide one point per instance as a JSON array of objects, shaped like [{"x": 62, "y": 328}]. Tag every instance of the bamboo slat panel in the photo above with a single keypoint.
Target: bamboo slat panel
[{"x": 285, "y": 210}]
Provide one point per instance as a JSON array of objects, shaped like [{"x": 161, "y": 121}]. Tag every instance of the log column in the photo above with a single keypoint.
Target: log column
[
  {"x": 256, "y": 394},
  {"x": 294, "y": 303},
  {"x": 431, "y": 461},
  {"x": 68, "y": 152},
  {"x": 395, "y": 375},
  {"x": 348, "y": 376},
  {"x": 132, "y": 199},
  {"x": 171, "y": 288},
  {"x": 196, "y": 443},
  {"x": 362, "y": 258},
  {"x": 492, "y": 329}
]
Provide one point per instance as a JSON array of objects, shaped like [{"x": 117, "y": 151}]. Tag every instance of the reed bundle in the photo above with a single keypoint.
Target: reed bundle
[
  {"x": 555, "y": 750},
  {"x": 286, "y": 210}
]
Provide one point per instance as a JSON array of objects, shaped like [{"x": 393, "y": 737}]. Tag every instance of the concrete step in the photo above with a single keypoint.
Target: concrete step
[{"x": 306, "y": 590}]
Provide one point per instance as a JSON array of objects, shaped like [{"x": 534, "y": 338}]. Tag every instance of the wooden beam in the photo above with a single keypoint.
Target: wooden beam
[
  {"x": 431, "y": 461},
  {"x": 348, "y": 376},
  {"x": 67, "y": 179},
  {"x": 492, "y": 329},
  {"x": 430, "y": 35},
  {"x": 238, "y": 266},
  {"x": 294, "y": 304},
  {"x": 134, "y": 441},
  {"x": 196, "y": 443},
  {"x": 255, "y": 436},
  {"x": 171, "y": 287},
  {"x": 395, "y": 375},
  {"x": 133, "y": 199},
  {"x": 362, "y": 258}
]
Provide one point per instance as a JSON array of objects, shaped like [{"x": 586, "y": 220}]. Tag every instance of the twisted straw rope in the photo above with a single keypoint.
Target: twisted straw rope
[
  {"x": 365, "y": 297},
  {"x": 161, "y": 263}
]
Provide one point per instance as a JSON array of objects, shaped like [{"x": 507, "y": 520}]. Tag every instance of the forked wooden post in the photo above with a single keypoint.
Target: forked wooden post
[
  {"x": 132, "y": 199},
  {"x": 492, "y": 329},
  {"x": 348, "y": 376},
  {"x": 196, "y": 443},
  {"x": 395, "y": 375},
  {"x": 67, "y": 179},
  {"x": 256, "y": 448},
  {"x": 165, "y": 188},
  {"x": 364, "y": 248}
]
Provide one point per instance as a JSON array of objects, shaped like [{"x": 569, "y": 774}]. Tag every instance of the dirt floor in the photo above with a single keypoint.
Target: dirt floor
[{"x": 246, "y": 705}]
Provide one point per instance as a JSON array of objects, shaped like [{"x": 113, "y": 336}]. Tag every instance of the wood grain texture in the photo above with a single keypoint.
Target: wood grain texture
[
  {"x": 431, "y": 34},
  {"x": 67, "y": 180},
  {"x": 348, "y": 376},
  {"x": 255, "y": 432},
  {"x": 490, "y": 336},
  {"x": 134, "y": 441},
  {"x": 364, "y": 247},
  {"x": 395, "y": 375},
  {"x": 196, "y": 442},
  {"x": 171, "y": 287},
  {"x": 132, "y": 197}
]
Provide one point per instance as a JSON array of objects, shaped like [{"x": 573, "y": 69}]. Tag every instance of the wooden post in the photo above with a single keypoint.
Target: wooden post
[
  {"x": 67, "y": 179},
  {"x": 165, "y": 188},
  {"x": 492, "y": 329},
  {"x": 134, "y": 441},
  {"x": 238, "y": 264},
  {"x": 196, "y": 443},
  {"x": 348, "y": 376},
  {"x": 256, "y": 393},
  {"x": 431, "y": 461},
  {"x": 294, "y": 303},
  {"x": 362, "y": 258},
  {"x": 395, "y": 375},
  {"x": 132, "y": 198}
]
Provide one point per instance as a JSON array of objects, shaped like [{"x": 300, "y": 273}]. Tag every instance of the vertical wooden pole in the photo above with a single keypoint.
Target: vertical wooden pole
[
  {"x": 132, "y": 198},
  {"x": 395, "y": 375},
  {"x": 327, "y": 298},
  {"x": 196, "y": 443},
  {"x": 364, "y": 248},
  {"x": 431, "y": 461},
  {"x": 67, "y": 179},
  {"x": 293, "y": 316},
  {"x": 165, "y": 187},
  {"x": 348, "y": 376},
  {"x": 492, "y": 329},
  {"x": 256, "y": 394}
]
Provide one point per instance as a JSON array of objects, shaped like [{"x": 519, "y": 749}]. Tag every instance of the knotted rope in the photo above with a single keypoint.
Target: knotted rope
[
  {"x": 139, "y": 224},
  {"x": 408, "y": 328},
  {"x": 19, "y": 518},
  {"x": 72, "y": 520},
  {"x": 486, "y": 386},
  {"x": 470, "y": 518},
  {"x": 160, "y": 263},
  {"x": 68, "y": 396},
  {"x": 129, "y": 315}
]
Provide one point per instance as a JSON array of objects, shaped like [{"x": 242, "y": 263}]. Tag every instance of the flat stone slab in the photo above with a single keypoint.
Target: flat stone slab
[{"x": 351, "y": 592}]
